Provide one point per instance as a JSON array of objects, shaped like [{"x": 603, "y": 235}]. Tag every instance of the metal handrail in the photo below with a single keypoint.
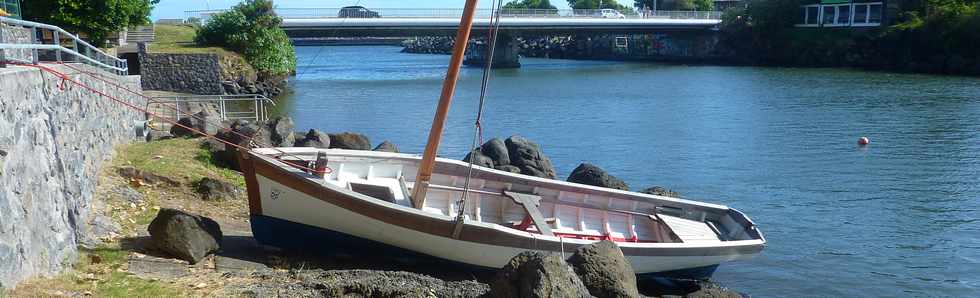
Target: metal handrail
[
  {"x": 95, "y": 56},
  {"x": 321, "y": 12},
  {"x": 260, "y": 105}
]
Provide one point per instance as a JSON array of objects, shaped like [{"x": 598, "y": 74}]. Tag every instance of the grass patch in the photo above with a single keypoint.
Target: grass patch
[
  {"x": 182, "y": 159},
  {"x": 180, "y": 39},
  {"x": 98, "y": 272}
]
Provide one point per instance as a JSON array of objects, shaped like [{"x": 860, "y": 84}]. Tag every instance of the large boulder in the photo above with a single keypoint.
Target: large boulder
[
  {"x": 509, "y": 168},
  {"x": 604, "y": 270},
  {"x": 536, "y": 274},
  {"x": 212, "y": 189},
  {"x": 349, "y": 140},
  {"x": 185, "y": 236},
  {"x": 386, "y": 146},
  {"x": 661, "y": 191},
  {"x": 314, "y": 138},
  {"x": 479, "y": 159},
  {"x": 589, "y": 174},
  {"x": 204, "y": 121},
  {"x": 527, "y": 156},
  {"x": 277, "y": 132},
  {"x": 496, "y": 150},
  {"x": 240, "y": 133}
]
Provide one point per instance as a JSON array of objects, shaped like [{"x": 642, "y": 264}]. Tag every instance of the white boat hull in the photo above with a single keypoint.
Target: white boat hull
[{"x": 284, "y": 194}]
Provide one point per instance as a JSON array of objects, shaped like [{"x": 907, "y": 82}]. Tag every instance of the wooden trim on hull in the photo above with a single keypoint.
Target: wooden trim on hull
[
  {"x": 256, "y": 165},
  {"x": 251, "y": 183}
]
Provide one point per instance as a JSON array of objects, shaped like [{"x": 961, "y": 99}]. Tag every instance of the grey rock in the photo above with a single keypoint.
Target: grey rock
[
  {"x": 661, "y": 191},
  {"x": 185, "y": 236},
  {"x": 386, "y": 146},
  {"x": 604, "y": 270},
  {"x": 349, "y": 140},
  {"x": 536, "y": 274},
  {"x": 99, "y": 227},
  {"x": 509, "y": 168},
  {"x": 204, "y": 121},
  {"x": 157, "y": 135},
  {"x": 129, "y": 194},
  {"x": 496, "y": 149},
  {"x": 357, "y": 283},
  {"x": 479, "y": 159},
  {"x": 276, "y": 132},
  {"x": 314, "y": 138},
  {"x": 589, "y": 174},
  {"x": 146, "y": 177},
  {"x": 527, "y": 156},
  {"x": 212, "y": 189}
]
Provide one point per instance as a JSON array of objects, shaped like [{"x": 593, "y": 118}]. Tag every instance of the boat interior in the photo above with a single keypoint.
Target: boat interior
[{"x": 556, "y": 208}]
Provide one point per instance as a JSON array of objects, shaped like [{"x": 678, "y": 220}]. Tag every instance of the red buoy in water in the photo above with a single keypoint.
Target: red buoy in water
[{"x": 864, "y": 141}]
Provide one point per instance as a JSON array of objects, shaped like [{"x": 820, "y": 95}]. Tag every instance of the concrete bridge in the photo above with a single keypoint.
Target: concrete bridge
[{"x": 306, "y": 23}]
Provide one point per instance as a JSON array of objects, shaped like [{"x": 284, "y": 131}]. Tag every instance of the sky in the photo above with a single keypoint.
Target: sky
[{"x": 174, "y": 9}]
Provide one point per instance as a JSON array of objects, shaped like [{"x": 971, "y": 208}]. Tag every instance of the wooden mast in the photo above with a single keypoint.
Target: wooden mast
[{"x": 448, "y": 88}]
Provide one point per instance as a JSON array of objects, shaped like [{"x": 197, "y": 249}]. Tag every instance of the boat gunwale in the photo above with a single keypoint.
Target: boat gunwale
[
  {"x": 494, "y": 173},
  {"x": 540, "y": 242}
]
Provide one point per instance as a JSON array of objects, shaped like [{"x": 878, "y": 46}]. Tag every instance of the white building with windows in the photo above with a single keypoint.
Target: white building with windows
[{"x": 842, "y": 13}]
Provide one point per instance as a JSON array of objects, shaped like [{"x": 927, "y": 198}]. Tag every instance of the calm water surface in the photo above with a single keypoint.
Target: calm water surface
[{"x": 900, "y": 217}]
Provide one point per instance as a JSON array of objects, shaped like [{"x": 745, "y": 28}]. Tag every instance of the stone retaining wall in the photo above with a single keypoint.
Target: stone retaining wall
[
  {"x": 186, "y": 73},
  {"x": 53, "y": 143}
]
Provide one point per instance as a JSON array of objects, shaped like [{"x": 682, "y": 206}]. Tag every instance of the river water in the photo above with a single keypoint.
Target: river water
[{"x": 900, "y": 217}]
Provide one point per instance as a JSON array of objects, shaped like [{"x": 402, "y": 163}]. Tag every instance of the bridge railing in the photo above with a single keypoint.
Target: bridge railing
[
  {"x": 30, "y": 42},
  {"x": 321, "y": 13}
]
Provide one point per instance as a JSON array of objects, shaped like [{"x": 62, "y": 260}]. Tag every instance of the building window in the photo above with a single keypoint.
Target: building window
[
  {"x": 874, "y": 13},
  {"x": 867, "y": 14},
  {"x": 829, "y": 14},
  {"x": 811, "y": 15},
  {"x": 843, "y": 14}
]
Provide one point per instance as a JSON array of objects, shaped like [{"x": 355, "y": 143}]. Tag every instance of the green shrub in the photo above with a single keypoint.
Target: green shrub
[{"x": 252, "y": 29}]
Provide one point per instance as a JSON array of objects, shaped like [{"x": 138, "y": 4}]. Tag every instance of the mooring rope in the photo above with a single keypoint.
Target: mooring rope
[
  {"x": 65, "y": 78},
  {"x": 478, "y": 133}
]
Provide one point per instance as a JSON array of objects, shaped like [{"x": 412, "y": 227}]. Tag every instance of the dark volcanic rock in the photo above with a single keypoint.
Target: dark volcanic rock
[
  {"x": 278, "y": 131},
  {"x": 479, "y": 159},
  {"x": 509, "y": 168},
  {"x": 145, "y": 177},
  {"x": 185, "y": 236},
  {"x": 587, "y": 173},
  {"x": 604, "y": 270},
  {"x": 212, "y": 189},
  {"x": 239, "y": 133},
  {"x": 157, "y": 135},
  {"x": 349, "y": 140},
  {"x": 314, "y": 138},
  {"x": 204, "y": 121},
  {"x": 660, "y": 191},
  {"x": 535, "y": 274},
  {"x": 386, "y": 146},
  {"x": 527, "y": 156},
  {"x": 496, "y": 149},
  {"x": 358, "y": 283},
  {"x": 685, "y": 288}
]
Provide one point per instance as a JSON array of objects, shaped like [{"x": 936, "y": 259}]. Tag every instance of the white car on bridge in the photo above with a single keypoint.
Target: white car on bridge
[{"x": 610, "y": 14}]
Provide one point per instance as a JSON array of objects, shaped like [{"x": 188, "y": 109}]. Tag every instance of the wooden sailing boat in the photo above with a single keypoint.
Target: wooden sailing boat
[{"x": 408, "y": 204}]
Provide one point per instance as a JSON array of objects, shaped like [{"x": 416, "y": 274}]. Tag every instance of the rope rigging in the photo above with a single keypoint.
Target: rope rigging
[
  {"x": 64, "y": 78},
  {"x": 478, "y": 125}
]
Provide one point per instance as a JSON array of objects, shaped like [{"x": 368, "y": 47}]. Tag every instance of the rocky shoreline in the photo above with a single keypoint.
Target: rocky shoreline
[{"x": 175, "y": 217}]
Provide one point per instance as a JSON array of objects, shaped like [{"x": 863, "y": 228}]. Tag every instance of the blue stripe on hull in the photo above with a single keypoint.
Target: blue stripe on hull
[{"x": 290, "y": 235}]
